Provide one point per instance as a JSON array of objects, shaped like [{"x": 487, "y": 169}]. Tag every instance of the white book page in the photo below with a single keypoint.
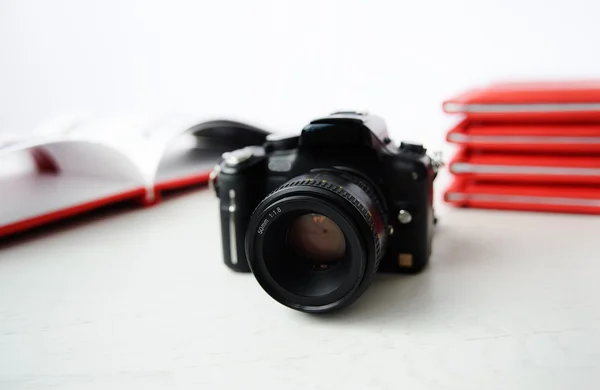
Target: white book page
[
  {"x": 161, "y": 146},
  {"x": 143, "y": 139},
  {"x": 186, "y": 147},
  {"x": 173, "y": 153},
  {"x": 86, "y": 170},
  {"x": 122, "y": 134},
  {"x": 183, "y": 159},
  {"x": 82, "y": 154},
  {"x": 154, "y": 139}
]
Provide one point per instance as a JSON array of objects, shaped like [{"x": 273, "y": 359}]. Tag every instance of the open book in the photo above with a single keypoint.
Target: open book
[{"x": 70, "y": 166}]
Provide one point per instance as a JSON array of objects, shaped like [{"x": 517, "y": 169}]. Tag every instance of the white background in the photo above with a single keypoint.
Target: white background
[
  {"x": 281, "y": 63},
  {"x": 141, "y": 299}
]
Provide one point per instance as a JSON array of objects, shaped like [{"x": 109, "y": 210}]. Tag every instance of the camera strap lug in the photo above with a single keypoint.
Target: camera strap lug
[
  {"x": 213, "y": 178},
  {"x": 437, "y": 161}
]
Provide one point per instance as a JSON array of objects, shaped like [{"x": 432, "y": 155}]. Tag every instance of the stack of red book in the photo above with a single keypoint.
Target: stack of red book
[{"x": 527, "y": 146}]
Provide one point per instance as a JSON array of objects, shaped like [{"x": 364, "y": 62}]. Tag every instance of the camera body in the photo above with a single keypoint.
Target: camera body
[{"x": 402, "y": 175}]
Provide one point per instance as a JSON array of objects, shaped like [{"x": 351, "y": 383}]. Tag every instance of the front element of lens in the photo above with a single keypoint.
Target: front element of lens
[
  {"x": 317, "y": 239},
  {"x": 315, "y": 243}
]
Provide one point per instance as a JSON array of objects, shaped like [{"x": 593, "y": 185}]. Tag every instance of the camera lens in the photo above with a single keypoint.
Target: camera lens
[
  {"x": 314, "y": 243},
  {"x": 317, "y": 239}
]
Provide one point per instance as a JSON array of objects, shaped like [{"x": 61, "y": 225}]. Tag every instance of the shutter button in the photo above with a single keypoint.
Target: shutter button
[
  {"x": 413, "y": 148},
  {"x": 237, "y": 156}
]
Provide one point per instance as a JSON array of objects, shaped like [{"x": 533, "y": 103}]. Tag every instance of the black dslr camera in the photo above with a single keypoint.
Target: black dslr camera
[{"x": 314, "y": 216}]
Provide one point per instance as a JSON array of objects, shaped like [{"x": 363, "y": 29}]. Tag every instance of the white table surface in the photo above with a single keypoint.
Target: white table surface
[{"x": 141, "y": 299}]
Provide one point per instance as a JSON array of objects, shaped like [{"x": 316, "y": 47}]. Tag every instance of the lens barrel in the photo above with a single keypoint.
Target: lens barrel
[{"x": 315, "y": 242}]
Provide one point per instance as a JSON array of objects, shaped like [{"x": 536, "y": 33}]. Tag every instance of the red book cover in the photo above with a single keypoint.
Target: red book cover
[
  {"x": 529, "y": 168},
  {"x": 530, "y": 101},
  {"x": 582, "y": 199},
  {"x": 527, "y": 137}
]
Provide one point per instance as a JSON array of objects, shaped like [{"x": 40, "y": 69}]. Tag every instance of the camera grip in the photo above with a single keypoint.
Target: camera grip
[{"x": 239, "y": 196}]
